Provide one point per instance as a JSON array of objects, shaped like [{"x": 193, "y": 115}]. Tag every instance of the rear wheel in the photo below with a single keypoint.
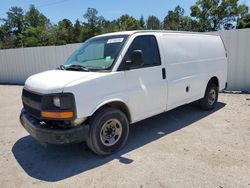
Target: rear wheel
[
  {"x": 211, "y": 97},
  {"x": 109, "y": 129}
]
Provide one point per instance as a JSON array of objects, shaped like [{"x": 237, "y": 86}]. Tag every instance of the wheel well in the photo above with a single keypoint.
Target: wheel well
[
  {"x": 119, "y": 105},
  {"x": 214, "y": 80}
]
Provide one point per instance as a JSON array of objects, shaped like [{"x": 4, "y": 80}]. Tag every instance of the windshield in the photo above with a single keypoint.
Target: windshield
[{"x": 97, "y": 54}]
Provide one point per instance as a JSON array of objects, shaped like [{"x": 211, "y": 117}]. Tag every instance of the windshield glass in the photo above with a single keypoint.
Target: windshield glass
[{"x": 97, "y": 53}]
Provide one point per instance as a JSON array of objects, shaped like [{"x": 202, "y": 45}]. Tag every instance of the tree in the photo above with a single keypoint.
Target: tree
[
  {"x": 36, "y": 19},
  {"x": 187, "y": 24},
  {"x": 153, "y": 23},
  {"x": 15, "y": 20},
  {"x": 109, "y": 26},
  {"x": 12, "y": 26},
  {"x": 36, "y": 31},
  {"x": 36, "y": 36},
  {"x": 142, "y": 22},
  {"x": 65, "y": 32},
  {"x": 7, "y": 39},
  {"x": 126, "y": 23},
  {"x": 77, "y": 31},
  {"x": 213, "y": 15},
  {"x": 175, "y": 20},
  {"x": 93, "y": 24},
  {"x": 244, "y": 22}
]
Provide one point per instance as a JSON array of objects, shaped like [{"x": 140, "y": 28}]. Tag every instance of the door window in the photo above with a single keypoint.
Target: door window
[{"x": 148, "y": 45}]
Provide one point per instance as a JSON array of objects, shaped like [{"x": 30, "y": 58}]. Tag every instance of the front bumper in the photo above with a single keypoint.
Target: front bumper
[{"x": 53, "y": 135}]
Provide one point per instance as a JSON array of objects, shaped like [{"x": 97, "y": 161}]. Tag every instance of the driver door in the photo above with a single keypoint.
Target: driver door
[{"x": 146, "y": 82}]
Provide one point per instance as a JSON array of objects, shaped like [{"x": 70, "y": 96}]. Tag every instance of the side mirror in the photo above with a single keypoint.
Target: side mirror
[{"x": 136, "y": 58}]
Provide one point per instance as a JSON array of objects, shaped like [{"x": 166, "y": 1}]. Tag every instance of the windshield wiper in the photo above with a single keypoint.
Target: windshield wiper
[
  {"x": 61, "y": 67},
  {"x": 77, "y": 67}
]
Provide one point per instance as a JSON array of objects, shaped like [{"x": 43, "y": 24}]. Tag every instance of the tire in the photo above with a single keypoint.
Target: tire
[
  {"x": 211, "y": 97},
  {"x": 109, "y": 129}
]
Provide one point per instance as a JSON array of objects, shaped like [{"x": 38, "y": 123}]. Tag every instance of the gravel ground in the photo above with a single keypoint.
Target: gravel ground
[{"x": 185, "y": 147}]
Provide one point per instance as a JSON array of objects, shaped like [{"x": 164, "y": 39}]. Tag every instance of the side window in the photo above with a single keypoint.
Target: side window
[{"x": 148, "y": 45}]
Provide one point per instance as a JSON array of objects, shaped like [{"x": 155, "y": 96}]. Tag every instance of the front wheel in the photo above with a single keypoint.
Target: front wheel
[
  {"x": 211, "y": 97},
  {"x": 109, "y": 129}
]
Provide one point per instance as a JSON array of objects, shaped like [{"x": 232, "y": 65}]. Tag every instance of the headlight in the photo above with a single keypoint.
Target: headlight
[
  {"x": 57, "y": 102},
  {"x": 58, "y": 106}
]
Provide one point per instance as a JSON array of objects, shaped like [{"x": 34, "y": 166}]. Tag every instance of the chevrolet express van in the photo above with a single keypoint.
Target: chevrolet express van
[{"x": 117, "y": 79}]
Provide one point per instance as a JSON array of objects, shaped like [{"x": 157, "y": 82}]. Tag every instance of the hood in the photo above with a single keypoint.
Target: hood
[{"x": 54, "y": 81}]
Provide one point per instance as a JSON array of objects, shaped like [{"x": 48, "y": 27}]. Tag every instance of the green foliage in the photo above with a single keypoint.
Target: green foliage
[
  {"x": 213, "y": 15},
  {"x": 142, "y": 22},
  {"x": 13, "y": 25},
  {"x": 244, "y": 22},
  {"x": 32, "y": 28},
  {"x": 15, "y": 20},
  {"x": 7, "y": 39},
  {"x": 34, "y": 36},
  {"x": 153, "y": 23},
  {"x": 64, "y": 32},
  {"x": 35, "y": 19},
  {"x": 77, "y": 31},
  {"x": 93, "y": 23},
  {"x": 128, "y": 23},
  {"x": 175, "y": 20},
  {"x": 109, "y": 26}
]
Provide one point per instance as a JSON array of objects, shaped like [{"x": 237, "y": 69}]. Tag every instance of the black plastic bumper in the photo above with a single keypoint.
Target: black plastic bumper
[{"x": 50, "y": 135}]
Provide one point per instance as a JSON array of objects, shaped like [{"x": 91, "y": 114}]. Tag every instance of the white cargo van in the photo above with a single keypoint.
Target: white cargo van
[{"x": 117, "y": 79}]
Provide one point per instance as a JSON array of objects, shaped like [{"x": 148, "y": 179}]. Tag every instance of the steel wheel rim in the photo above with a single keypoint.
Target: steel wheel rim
[
  {"x": 111, "y": 132},
  {"x": 211, "y": 97}
]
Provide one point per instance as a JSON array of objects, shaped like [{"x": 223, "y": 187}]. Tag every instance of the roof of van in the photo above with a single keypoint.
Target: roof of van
[{"x": 153, "y": 31}]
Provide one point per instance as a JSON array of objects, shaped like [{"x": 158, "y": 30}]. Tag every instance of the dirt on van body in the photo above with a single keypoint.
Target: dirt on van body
[{"x": 185, "y": 147}]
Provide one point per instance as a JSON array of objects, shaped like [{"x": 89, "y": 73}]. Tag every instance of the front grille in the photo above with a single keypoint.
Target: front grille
[
  {"x": 32, "y": 111},
  {"x": 32, "y": 96},
  {"x": 32, "y": 103}
]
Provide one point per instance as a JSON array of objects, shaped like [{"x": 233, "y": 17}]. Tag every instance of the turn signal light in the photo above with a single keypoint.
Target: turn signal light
[{"x": 57, "y": 115}]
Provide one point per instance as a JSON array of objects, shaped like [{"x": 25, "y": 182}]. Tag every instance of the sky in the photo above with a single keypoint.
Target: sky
[{"x": 57, "y": 10}]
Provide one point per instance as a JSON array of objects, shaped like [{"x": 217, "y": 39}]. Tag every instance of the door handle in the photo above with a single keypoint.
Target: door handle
[{"x": 163, "y": 73}]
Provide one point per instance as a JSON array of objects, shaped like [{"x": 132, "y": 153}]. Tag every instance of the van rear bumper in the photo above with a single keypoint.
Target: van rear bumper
[{"x": 53, "y": 135}]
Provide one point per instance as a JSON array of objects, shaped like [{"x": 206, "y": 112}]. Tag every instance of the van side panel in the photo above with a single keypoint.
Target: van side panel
[{"x": 191, "y": 60}]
